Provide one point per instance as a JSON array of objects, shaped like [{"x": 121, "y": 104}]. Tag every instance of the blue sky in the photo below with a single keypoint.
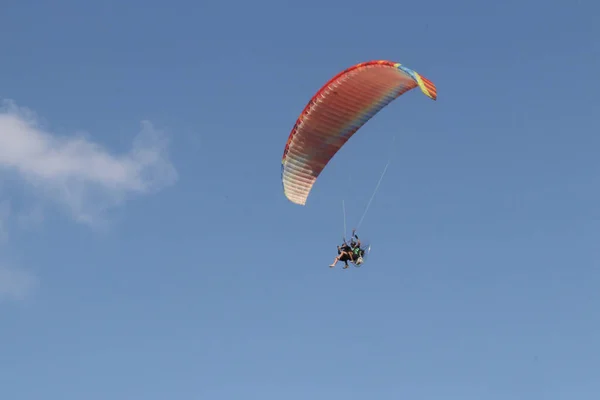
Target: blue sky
[{"x": 148, "y": 251}]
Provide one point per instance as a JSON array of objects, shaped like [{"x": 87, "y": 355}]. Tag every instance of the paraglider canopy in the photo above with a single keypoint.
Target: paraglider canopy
[{"x": 341, "y": 107}]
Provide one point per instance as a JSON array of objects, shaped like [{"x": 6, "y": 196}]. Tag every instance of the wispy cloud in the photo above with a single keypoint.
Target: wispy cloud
[
  {"x": 15, "y": 284},
  {"x": 76, "y": 172}
]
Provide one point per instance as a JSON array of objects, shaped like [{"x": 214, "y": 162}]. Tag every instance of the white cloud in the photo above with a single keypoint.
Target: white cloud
[
  {"x": 76, "y": 172},
  {"x": 15, "y": 284}
]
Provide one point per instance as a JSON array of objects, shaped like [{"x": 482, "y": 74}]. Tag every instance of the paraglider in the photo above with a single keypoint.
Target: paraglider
[{"x": 331, "y": 117}]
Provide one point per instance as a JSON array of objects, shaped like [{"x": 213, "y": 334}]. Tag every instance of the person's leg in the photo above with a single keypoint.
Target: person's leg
[
  {"x": 348, "y": 257},
  {"x": 334, "y": 262}
]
